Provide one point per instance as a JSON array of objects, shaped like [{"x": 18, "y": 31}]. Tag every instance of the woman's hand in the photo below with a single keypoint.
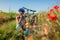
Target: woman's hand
[
  {"x": 20, "y": 19},
  {"x": 17, "y": 20}
]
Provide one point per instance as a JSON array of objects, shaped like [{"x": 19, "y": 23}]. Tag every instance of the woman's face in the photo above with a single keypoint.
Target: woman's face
[{"x": 21, "y": 13}]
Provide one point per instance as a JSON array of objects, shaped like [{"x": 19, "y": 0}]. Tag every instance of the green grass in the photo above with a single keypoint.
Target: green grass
[
  {"x": 5, "y": 16},
  {"x": 8, "y": 31}
]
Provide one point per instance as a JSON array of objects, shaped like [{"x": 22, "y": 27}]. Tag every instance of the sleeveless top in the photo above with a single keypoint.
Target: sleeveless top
[
  {"x": 18, "y": 26},
  {"x": 22, "y": 20}
]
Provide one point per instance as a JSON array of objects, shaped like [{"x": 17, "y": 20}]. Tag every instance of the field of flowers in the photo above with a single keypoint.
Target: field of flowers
[{"x": 47, "y": 28}]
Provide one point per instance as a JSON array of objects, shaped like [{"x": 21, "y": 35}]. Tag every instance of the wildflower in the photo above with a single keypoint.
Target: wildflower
[
  {"x": 56, "y": 7},
  {"x": 48, "y": 15},
  {"x": 30, "y": 38},
  {"x": 53, "y": 17},
  {"x": 51, "y": 10}
]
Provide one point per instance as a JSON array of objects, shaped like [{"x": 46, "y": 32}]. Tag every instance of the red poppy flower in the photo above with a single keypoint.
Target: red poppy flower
[
  {"x": 48, "y": 15},
  {"x": 53, "y": 17},
  {"x": 51, "y": 10},
  {"x": 56, "y": 7}
]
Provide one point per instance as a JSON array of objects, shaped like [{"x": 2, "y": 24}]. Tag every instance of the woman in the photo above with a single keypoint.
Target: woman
[{"x": 20, "y": 20}]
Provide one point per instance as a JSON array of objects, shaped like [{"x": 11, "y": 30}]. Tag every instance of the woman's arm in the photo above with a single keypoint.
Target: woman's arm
[
  {"x": 17, "y": 21},
  {"x": 20, "y": 19}
]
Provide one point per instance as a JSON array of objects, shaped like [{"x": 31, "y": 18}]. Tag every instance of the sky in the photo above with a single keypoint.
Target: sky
[{"x": 38, "y": 5}]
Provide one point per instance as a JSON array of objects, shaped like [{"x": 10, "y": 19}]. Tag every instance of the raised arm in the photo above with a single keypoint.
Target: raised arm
[{"x": 17, "y": 21}]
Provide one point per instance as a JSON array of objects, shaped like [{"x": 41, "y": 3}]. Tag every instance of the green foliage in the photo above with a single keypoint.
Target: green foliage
[{"x": 5, "y": 16}]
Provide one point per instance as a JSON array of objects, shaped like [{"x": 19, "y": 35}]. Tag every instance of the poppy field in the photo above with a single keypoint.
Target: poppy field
[{"x": 47, "y": 26}]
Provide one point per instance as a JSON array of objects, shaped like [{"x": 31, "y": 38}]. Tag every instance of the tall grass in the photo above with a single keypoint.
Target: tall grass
[
  {"x": 5, "y": 16},
  {"x": 8, "y": 31}
]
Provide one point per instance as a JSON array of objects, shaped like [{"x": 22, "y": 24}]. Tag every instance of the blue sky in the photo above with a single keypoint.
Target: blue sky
[{"x": 38, "y": 5}]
